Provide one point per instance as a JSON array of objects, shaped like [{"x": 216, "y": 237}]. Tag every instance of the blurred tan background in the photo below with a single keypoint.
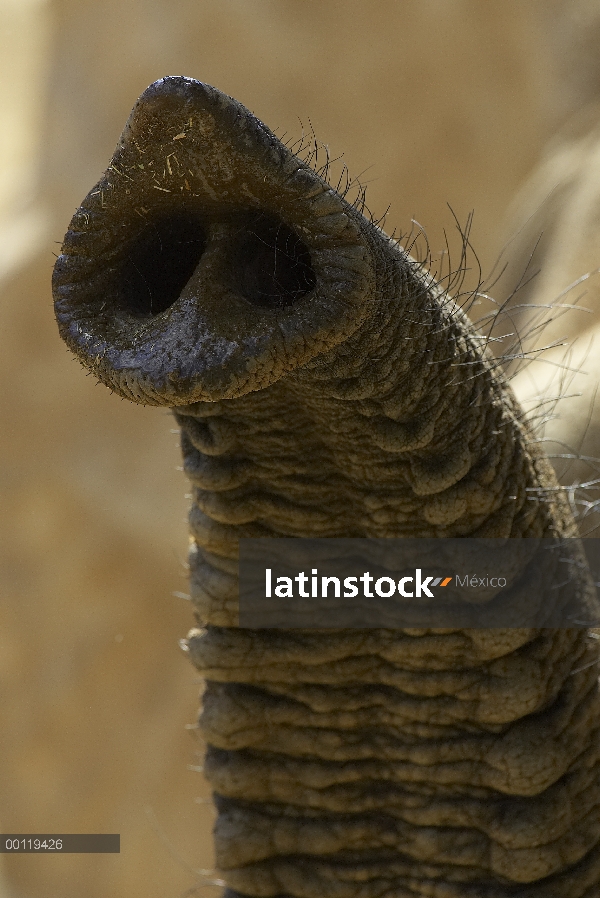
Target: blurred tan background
[{"x": 435, "y": 102}]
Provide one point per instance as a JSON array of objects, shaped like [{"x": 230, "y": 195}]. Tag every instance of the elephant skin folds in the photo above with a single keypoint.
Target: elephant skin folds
[{"x": 326, "y": 385}]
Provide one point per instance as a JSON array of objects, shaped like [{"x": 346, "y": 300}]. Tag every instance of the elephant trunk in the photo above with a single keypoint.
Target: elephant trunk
[{"x": 326, "y": 386}]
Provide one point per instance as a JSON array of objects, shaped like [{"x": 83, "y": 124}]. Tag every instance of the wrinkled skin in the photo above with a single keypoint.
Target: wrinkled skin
[{"x": 326, "y": 386}]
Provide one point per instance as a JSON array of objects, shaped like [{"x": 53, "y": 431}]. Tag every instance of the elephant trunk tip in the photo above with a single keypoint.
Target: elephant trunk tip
[{"x": 208, "y": 260}]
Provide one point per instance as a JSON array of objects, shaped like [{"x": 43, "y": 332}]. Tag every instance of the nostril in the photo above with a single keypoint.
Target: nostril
[
  {"x": 271, "y": 265},
  {"x": 159, "y": 262},
  {"x": 176, "y": 296}
]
